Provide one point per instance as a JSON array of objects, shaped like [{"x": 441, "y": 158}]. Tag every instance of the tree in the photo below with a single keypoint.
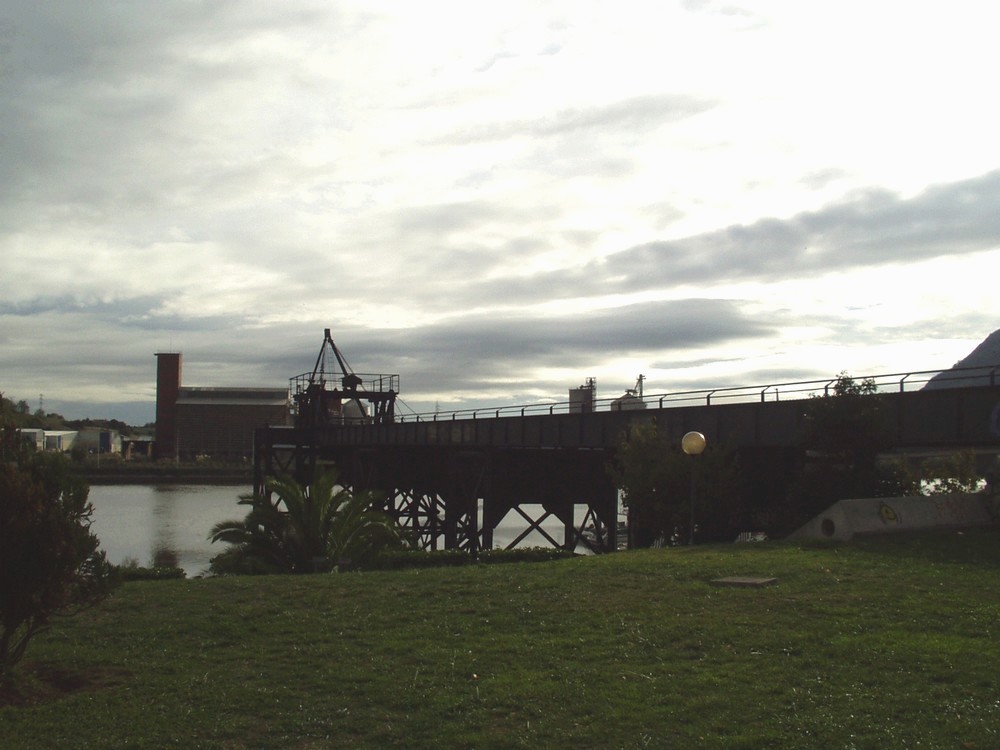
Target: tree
[
  {"x": 953, "y": 474},
  {"x": 848, "y": 424},
  {"x": 292, "y": 528},
  {"x": 49, "y": 558},
  {"x": 845, "y": 433},
  {"x": 655, "y": 478}
]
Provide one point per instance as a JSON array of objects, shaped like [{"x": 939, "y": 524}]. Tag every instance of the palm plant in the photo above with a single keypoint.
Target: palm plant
[{"x": 292, "y": 528}]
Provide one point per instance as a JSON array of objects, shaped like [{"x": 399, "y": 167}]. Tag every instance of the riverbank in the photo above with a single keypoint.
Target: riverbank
[{"x": 162, "y": 473}]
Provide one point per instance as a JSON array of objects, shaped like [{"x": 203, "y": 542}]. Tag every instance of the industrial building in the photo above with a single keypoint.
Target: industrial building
[
  {"x": 90, "y": 440},
  {"x": 57, "y": 441},
  {"x": 214, "y": 422}
]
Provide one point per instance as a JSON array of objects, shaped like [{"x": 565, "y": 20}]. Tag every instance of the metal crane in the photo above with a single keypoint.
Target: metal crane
[{"x": 317, "y": 405}]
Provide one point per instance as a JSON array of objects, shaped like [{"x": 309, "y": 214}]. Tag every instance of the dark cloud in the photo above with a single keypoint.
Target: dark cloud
[
  {"x": 867, "y": 229},
  {"x": 469, "y": 353},
  {"x": 475, "y": 351},
  {"x": 121, "y": 311}
]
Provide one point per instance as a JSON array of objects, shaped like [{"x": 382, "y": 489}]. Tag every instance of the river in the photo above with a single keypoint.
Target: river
[{"x": 134, "y": 521}]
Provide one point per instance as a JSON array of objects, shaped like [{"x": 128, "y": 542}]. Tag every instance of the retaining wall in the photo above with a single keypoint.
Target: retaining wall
[{"x": 884, "y": 515}]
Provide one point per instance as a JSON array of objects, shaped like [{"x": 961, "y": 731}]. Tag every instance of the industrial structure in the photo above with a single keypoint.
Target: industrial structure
[
  {"x": 217, "y": 422},
  {"x": 334, "y": 394},
  {"x": 449, "y": 480}
]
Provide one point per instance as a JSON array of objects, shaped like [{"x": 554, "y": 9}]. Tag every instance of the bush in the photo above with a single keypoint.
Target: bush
[
  {"x": 846, "y": 432},
  {"x": 952, "y": 474},
  {"x": 658, "y": 480},
  {"x": 296, "y": 528},
  {"x": 49, "y": 558},
  {"x": 403, "y": 559},
  {"x": 524, "y": 554},
  {"x": 413, "y": 558}
]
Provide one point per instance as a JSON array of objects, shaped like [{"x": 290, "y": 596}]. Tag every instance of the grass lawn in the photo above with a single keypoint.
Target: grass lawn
[{"x": 889, "y": 642}]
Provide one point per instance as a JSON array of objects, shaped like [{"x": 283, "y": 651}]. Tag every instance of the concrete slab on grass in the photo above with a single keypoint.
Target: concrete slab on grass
[{"x": 883, "y": 515}]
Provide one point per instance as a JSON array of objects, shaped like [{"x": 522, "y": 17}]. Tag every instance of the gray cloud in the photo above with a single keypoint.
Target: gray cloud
[
  {"x": 480, "y": 351},
  {"x": 868, "y": 229},
  {"x": 228, "y": 178},
  {"x": 627, "y": 117}
]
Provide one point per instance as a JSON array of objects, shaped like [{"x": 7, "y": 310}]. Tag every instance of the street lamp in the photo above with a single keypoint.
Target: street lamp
[{"x": 693, "y": 444}]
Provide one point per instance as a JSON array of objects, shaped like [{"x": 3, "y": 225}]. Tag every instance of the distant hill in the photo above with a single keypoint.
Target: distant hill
[{"x": 986, "y": 355}]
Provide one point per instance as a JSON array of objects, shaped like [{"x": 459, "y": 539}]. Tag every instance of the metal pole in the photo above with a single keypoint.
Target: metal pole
[{"x": 694, "y": 468}]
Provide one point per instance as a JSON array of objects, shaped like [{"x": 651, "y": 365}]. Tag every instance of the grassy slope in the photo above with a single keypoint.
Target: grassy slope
[{"x": 890, "y": 642}]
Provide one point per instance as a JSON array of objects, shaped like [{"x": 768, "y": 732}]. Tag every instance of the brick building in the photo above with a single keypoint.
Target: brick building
[{"x": 215, "y": 422}]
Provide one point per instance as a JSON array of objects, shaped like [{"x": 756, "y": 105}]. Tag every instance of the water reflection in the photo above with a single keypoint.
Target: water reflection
[{"x": 164, "y": 534}]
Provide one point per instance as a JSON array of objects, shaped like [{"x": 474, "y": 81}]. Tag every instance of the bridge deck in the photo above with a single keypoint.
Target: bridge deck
[
  {"x": 452, "y": 481},
  {"x": 957, "y": 417}
]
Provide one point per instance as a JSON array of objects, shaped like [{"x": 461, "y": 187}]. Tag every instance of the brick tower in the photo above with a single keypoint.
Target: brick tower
[{"x": 168, "y": 385}]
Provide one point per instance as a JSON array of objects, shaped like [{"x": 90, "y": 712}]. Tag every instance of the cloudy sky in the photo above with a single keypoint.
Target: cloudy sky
[{"x": 495, "y": 201}]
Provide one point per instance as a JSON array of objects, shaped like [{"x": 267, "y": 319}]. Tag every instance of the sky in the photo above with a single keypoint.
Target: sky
[{"x": 495, "y": 201}]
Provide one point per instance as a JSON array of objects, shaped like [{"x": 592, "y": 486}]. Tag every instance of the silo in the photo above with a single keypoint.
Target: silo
[
  {"x": 582, "y": 399},
  {"x": 628, "y": 402}
]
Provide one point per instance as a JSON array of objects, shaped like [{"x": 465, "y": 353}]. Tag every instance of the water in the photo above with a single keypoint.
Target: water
[{"x": 134, "y": 521}]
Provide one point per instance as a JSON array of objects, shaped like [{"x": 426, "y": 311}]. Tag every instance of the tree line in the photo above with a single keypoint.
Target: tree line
[{"x": 20, "y": 415}]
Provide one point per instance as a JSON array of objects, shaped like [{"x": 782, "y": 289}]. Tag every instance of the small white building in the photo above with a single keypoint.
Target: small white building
[
  {"x": 61, "y": 441},
  {"x": 34, "y": 436}
]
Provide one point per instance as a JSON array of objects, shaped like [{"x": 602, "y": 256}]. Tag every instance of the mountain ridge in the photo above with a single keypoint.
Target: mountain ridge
[{"x": 986, "y": 355}]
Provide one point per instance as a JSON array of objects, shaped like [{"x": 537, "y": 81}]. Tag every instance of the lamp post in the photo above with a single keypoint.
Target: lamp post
[{"x": 693, "y": 444}]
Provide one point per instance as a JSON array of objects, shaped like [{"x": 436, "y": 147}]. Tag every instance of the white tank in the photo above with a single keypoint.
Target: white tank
[{"x": 353, "y": 412}]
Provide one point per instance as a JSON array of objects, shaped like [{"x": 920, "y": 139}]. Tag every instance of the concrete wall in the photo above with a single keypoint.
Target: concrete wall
[{"x": 845, "y": 518}]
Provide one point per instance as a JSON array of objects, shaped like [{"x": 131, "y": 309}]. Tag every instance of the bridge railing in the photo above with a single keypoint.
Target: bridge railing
[{"x": 957, "y": 377}]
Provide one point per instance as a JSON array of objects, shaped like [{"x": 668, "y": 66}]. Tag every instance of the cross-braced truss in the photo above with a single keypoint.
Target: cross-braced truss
[{"x": 455, "y": 499}]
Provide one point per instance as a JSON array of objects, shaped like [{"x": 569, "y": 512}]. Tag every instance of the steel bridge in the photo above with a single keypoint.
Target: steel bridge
[{"x": 451, "y": 478}]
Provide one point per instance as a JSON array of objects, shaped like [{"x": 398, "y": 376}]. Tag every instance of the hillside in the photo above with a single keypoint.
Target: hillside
[{"x": 986, "y": 355}]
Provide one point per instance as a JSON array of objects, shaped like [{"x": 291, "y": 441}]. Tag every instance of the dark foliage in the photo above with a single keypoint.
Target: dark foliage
[
  {"x": 49, "y": 558},
  {"x": 304, "y": 529},
  {"x": 403, "y": 559},
  {"x": 657, "y": 479},
  {"x": 846, "y": 430}
]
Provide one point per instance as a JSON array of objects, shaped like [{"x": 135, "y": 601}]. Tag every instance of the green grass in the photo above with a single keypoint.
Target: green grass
[{"x": 890, "y": 642}]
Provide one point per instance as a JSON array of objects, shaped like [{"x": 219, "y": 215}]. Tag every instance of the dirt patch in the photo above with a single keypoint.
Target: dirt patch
[{"x": 34, "y": 683}]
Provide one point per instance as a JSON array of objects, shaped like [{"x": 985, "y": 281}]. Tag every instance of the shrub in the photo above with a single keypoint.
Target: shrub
[
  {"x": 295, "y": 528},
  {"x": 955, "y": 473},
  {"x": 846, "y": 431},
  {"x": 49, "y": 558},
  {"x": 401, "y": 559},
  {"x": 658, "y": 481},
  {"x": 524, "y": 554}
]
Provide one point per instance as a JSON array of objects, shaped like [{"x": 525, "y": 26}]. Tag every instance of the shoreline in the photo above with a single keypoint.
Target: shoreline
[{"x": 167, "y": 475}]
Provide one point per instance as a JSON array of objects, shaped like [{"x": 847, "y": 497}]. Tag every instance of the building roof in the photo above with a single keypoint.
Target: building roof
[{"x": 232, "y": 396}]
